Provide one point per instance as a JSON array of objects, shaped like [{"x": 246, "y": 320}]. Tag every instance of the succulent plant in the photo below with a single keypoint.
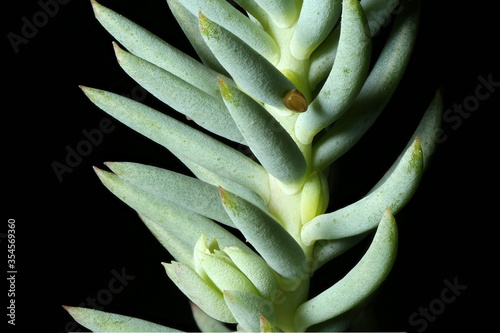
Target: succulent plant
[{"x": 296, "y": 83}]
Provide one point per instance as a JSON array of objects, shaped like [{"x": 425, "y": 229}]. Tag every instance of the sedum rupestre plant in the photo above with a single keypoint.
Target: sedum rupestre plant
[{"x": 296, "y": 83}]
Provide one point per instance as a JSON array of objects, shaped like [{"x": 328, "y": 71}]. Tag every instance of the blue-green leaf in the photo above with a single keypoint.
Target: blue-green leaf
[
  {"x": 247, "y": 309},
  {"x": 185, "y": 225},
  {"x": 180, "y": 248},
  {"x": 269, "y": 141},
  {"x": 255, "y": 269},
  {"x": 316, "y": 21},
  {"x": 358, "y": 284},
  {"x": 376, "y": 12},
  {"x": 224, "y": 14},
  {"x": 151, "y": 48},
  {"x": 223, "y": 273},
  {"x": 189, "y": 25},
  {"x": 326, "y": 250},
  {"x": 206, "y": 110},
  {"x": 201, "y": 292},
  {"x": 100, "y": 321},
  {"x": 268, "y": 237},
  {"x": 184, "y": 141},
  {"x": 190, "y": 193},
  {"x": 363, "y": 215},
  {"x": 250, "y": 70},
  {"x": 375, "y": 94},
  {"x": 282, "y": 12},
  {"x": 346, "y": 77},
  {"x": 219, "y": 181},
  {"x": 379, "y": 11},
  {"x": 426, "y": 132},
  {"x": 206, "y": 323}
]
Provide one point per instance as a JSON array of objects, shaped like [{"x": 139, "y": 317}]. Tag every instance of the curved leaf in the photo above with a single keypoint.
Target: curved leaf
[
  {"x": 358, "y": 284},
  {"x": 184, "y": 141},
  {"x": 247, "y": 308},
  {"x": 180, "y": 248},
  {"x": 379, "y": 11},
  {"x": 207, "y": 111},
  {"x": 250, "y": 70},
  {"x": 206, "y": 323},
  {"x": 364, "y": 214},
  {"x": 151, "y": 48},
  {"x": 316, "y": 21},
  {"x": 224, "y": 14},
  {"x": 282, "y": 12},
  {"x": 426, "y": 132},
  {"x": 375, "y": 94},
  {"x": 255, "y": 269},
  {"x": 268, "y": 237},
  {"x": 190, "y": 193},
  {"x": 268, "y": 140},
  {"x": 189, "y": 25},
  {"x": 326, "y": 250},
  {"x": 376, "y": 11},
  {"x": 346, "y": 77},
  {"x": 185, "y": 225},
  {"x": 204, "y": 294},
  {"x": 219, "y": 181},
  {"x": 223, "y": 273},
  {"x": 100, "y": 321}
]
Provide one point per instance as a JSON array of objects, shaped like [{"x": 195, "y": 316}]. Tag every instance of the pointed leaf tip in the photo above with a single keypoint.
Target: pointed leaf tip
[{"x": 95, "y": 6}]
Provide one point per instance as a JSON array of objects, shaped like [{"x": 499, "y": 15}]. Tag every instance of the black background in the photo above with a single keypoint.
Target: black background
[{"x": 72, "y": 234}]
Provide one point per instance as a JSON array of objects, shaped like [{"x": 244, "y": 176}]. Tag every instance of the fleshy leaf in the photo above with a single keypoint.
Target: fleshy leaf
[
  {"x": 188, "y": 192},
  {"x": 365, "y": 214},
  {"x": 224, "y": 14},
  {"x": 313, "y": 26},
  {"x": 203, "y": 293},
  {"x": 100, "y": 321},
  {"x": 426, "y": 132},
  {"x": 219, "y": 181},
  {"x": 342, "y": 322},
  {"x": 266, "y": 326},
  {"x": 267, "y": 236},
  {"x": 255, "y": 269},
  {"x": 326, "y": 250},
  {"x": 183, "y": 140},
  {"x": 377, "y": 13},
  {"x": 268, "y": 140},
  {"x": 375, "y": 94},
  {"x": 250, "y": 70},
  {"x": 358, "y": 284},
  {"x": 185, "y": 225},
  {"x": 206, "y": 323},
  {"x": 247, "y": 309},
  {"x": 207, "y": 111},
  {"x": 178, "y": 247},
  {"x": 189, "y": 25},
  {"x": 346, "y": 77},
  {"x": 282, "y": 12},
  {"x": 151, "y": 48},
  {"x": 223, "y": 273}
]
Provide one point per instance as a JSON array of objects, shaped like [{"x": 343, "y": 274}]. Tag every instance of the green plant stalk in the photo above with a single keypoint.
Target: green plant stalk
[{"x": 259, "y": 85}]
